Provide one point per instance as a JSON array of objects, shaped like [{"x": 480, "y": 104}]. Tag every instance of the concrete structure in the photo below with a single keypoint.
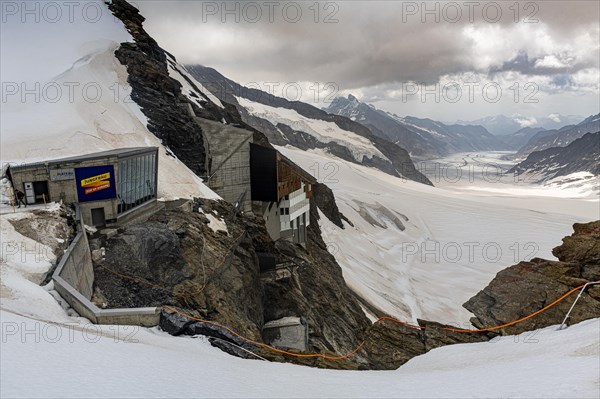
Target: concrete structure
[
  {"x": 286, "y": 333},
  {"x": 110, "y": 186},
  {"x": 281, "y": 193},
  {"x": 228, "y": 161},
  {"x": 74, "y": 279}
]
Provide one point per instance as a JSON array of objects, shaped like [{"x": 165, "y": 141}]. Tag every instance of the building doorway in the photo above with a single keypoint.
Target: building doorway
[
  {"x": 36, "y": 192},
  {"x": 98, "y": 217}
]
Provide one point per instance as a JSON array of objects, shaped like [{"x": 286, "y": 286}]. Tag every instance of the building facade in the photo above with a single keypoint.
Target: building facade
[
  {"x": 280, "y": 193},
  {"x": 110, "y": 186},
  {"x": 228, "y": 161}
]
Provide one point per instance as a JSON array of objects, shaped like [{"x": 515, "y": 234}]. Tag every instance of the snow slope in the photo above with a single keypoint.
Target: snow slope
[
  {"x": 544, "y": 364},
  {"x": 486, "y": 173},
  {"x": 420, "y": 252},
  {"x": 86, "y": 107},
  {"x": 48, "y": 353},
  {"x": 323, "y": 131}
]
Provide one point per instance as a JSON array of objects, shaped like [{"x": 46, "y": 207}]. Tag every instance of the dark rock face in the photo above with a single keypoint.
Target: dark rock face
[
  {"x": 435, "y": 336},
  {"x": 150, "y": 252},
  {"x": 325, "y": 200},
  {"x": 158, "y": 95},
  {"x": 389, "y": 345},
  {"x": 215, "y": 276},
  {"x": 582, "y": 247},
  {"x": 318, "y": 293},
  {"x": 529, "y": 286}
]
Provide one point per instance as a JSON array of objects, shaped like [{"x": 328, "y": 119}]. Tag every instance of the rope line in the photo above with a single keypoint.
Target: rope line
[
  {"x": 354, "y": 351},
  {"x": 383, "y": 318}
]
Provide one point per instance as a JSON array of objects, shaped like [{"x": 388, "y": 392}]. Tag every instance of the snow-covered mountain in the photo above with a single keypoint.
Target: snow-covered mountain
[
  {"x": 423, "y": 138},
  {"x": 519, "y": 138},
  {"x": 561, "y": 137},
  {"x": 306, "y": 127},
  {"x": 502, "y": 125},
  {"x": 578, "y": 161}
]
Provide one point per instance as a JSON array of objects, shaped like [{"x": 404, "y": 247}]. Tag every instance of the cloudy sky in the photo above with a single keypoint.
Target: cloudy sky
[{"x": 444, "y": 60}]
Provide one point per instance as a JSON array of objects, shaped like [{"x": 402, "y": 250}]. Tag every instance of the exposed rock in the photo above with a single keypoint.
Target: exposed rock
[
  {"x": 317, "y": 291},
  {"x": 96, "y": 255},
  {"x": 325, "y": 200},
  {"x": 582, "y": 247},
  {"x": 52, "y": 229},
  {"x": 148, "y": 252},
  {"x": 158, "y": 95},
  {"x": 389, "y": 345},
  {"x": 216, "y": 276},
  {"x": 529, "y": 286},
  {"x": 435, "y": 336},
  {"x": 99, "y": 299}
]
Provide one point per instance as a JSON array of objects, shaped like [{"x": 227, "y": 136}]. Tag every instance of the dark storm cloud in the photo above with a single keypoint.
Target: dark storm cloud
[
  {"x": 560, "y": 64},
  {"x": 375, "y": 42}
]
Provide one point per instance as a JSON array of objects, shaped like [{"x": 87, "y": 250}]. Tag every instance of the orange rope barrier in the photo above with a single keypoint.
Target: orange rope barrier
[{"x": 353, "y": 352}]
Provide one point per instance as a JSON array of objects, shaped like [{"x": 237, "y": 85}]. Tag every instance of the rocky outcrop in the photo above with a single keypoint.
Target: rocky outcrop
[
  {"x": 527, "y": 287},
  {"x": 158, "y": 95},
  {"x": 389, "y": 344},
  {"x": 177, "y": 259},
  {"x": 325, "y": 200},
  {"x": 151, "y": 254}
]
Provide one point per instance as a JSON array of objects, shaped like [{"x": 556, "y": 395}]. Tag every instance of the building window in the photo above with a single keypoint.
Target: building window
[{"x": 137, "y": 181}]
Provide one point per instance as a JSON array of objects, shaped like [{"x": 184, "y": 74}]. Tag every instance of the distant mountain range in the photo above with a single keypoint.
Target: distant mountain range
[
  {"x": 581, "y": 155},
  {"x": 306, "y": 127},
  {"x": 423, "y": 138},
  {"x": 501, "y": 125},
  {"x": 521, "y": 137},
  {"x": 559, "y": 138}
]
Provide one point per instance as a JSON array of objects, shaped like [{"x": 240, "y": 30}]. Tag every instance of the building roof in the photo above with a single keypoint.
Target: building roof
[{"x": 117, "y": 152}]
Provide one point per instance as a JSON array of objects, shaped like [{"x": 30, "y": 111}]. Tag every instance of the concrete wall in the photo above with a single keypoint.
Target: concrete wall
[
  {"x": 228, "y": 160},
  {"x": 288, "y": 332},
  {"x": 76, "y": 267},
  {"x": 74, "y": 280}
]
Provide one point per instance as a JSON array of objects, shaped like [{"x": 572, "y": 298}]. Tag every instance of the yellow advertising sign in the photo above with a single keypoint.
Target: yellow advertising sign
[
  {"x": 96, "y": 183},
  {"x": 94, "y": 179}
]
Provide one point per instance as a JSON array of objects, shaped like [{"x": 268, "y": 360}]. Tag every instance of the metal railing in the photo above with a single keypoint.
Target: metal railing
[{"x": 564, "y": 322}]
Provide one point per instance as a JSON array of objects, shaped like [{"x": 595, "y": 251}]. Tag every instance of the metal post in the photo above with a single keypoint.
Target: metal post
[{"x": 564, "y": 323}]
